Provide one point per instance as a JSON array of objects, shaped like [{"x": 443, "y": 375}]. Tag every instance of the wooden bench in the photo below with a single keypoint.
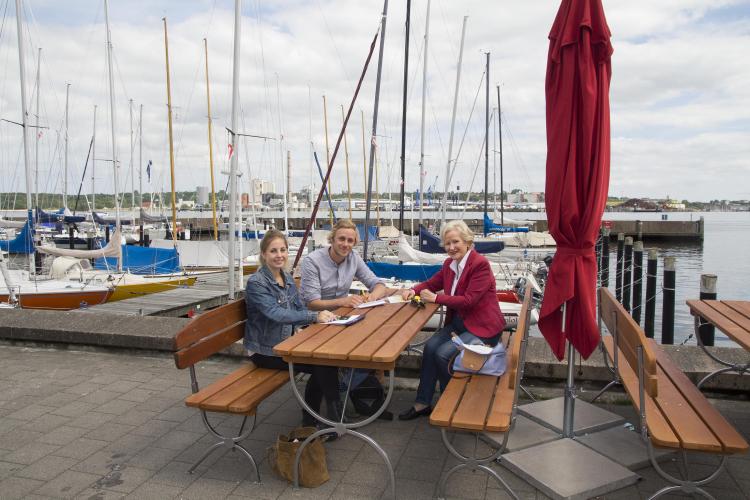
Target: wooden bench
[
  {"x": 479, "y": 403},
  {"x": 673, "y": 412},
  {"x": 238, "y": 393}
]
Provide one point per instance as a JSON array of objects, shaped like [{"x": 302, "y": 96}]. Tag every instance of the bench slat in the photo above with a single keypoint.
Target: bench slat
[
  {"x": 222, "y": 399},
  {"x": 659, "y": 429},
  {"x": 442, "y": 414},
  {"x": 498, "y": 419},
  {"x": 731, "y": 440},
  {"x": 472, "y": 413},
  {"x": 249, "y": 402},
  {"x": 219, "y": 385},
  {"x": 358, "y": 332},
  {"x": 210, "y": 344},
  {"x": 212, "y": 321}
]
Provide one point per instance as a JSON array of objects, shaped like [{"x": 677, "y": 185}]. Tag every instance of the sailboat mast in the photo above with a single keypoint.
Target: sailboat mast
[
  {"x": 140, "y": 156},
  {"x": 281, "y": 159},
  {"x": 132, "y": 148},
  {"x": 65, "y": 170},
  {"x": 113, "y": 116},
  {"x": 348, "y": 179},
  {"x": 453, "y": 120},
  {"x": 36, "y": 134},
  {"x": 235, "y": 143},
  {"x": 486, "y": 132},
  {"x": 500, "y": 138},
  {"x": 364, "y": 152},
  {"x": 422, "y": 172},
  {"x": 328, "y": 151},
  {"x": 171, "y": 145},
  {"x": 368, "y": 193},
  {"x": 403, "y": 121},
  {"x": 93, "y": 164},
  {"x": 211, "y": 147},
  {"x": 24, "y": 126}
]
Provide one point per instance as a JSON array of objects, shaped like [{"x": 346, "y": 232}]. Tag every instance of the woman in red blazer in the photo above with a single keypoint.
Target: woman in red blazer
[{"x": 469, "y": 294}]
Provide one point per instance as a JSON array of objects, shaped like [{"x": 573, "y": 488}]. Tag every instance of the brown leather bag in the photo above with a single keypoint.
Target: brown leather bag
[{"x": 313, "y": 469}]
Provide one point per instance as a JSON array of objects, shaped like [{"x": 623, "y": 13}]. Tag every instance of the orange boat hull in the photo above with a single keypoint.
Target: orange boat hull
[{"x": 61, "y": 301}]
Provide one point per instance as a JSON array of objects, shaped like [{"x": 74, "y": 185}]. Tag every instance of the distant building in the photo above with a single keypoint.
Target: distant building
[
  {"x": 201, "y": 194},
  {"x": 261, "y": 187}
]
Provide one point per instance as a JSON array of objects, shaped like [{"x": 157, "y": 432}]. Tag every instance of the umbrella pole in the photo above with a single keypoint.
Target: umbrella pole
[{"x": 570, "y": 389}]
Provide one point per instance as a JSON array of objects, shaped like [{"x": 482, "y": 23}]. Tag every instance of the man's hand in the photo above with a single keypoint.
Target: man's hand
[
  {"x": 352, "y": 301},
  {"x": 427, "y": 295}
]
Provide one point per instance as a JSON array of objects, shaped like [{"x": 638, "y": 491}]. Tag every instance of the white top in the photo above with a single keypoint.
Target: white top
[{"x": 458, "y": 269}]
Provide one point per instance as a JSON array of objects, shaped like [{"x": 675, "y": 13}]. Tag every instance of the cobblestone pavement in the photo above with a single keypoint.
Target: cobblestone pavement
[{"x": 101, "y": 425}]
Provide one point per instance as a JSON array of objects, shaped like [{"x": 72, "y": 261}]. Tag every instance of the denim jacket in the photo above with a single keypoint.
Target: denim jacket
[{"x": 272, "y": 311}]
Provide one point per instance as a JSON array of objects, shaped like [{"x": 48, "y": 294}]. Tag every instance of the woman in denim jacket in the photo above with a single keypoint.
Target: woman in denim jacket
[{"x": 274, "y": 309}]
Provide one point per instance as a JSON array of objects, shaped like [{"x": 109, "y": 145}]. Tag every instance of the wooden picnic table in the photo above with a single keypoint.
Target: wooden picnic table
[
  {"x": 732, "y": 318},
  {"x": 373, "y": 343}
]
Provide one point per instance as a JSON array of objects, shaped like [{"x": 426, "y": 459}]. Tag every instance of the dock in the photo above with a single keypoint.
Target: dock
[{"x": 210, "y": 290}]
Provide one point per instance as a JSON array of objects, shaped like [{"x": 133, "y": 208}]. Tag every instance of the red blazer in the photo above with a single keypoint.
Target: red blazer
[{"x": 475, "y": 299}]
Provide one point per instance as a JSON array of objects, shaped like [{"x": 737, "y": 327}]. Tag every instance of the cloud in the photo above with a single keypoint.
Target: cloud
[{"x": 679, "y": 93}]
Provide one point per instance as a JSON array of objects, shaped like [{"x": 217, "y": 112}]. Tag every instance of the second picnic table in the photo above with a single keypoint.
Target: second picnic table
[{"x": 374, "y": 343}]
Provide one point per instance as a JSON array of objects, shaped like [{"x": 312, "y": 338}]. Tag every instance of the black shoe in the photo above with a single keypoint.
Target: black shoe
[{"x": 411, "y": 413}]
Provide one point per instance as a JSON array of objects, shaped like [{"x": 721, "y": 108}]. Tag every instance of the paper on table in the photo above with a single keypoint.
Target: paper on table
[
  {"x": 388, "y": 300},
  {"x": 346, "y": 320}
]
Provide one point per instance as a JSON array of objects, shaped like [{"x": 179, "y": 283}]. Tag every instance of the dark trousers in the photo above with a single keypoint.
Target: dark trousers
[
  {"x": 323, "y": 382},
  {"x": 438, "y": 354}
]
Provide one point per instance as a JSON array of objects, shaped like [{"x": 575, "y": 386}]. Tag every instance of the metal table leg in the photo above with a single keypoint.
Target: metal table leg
[
  {"x": 739, "y": 368},
  {"x": 340, "y": 428}
]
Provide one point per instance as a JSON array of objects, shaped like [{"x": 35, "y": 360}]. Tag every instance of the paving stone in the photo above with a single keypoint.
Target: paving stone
[
  {"x": 341, "y": 460},
  {"x": 67, "y": 484},
  {"x": 110, "y": 431},
  {"x": 346, "y": 491},
  {"x": 270, "y": 487},
  {"x": 156, "y": 404},
  {"x": 46, "y": 423},
  {"x": 74, "y": 409},
  {"x": 422, "y": 469},
  {"x": 63, "y": 435},
  {"x": 101, "y": 462},
  {"x": 372, "y": 475},
  {"x": 232, "y": 467},
  {"x": 177, "y": 413},
  {"x": 47, "y": 468},
  {"x": 116, "y": 406},
  {"x": 468, "y": 485},
  {"x": 154, "y": 428},
  {"x": 137, "y": 395},
  {"x": 129, "y": 445},
  {"x": 175, "y": 473},
  {"x": 101, "y": 494},
  {"x": 124, "y": 479},
  {"x": 59, "y": 398},
  {"x": 122, "y": 386},
  {"x": 325, "y": 490},
  {"x": 8, "y": 424},
  {"x": 154, "y": 491},
  {"x": 177, "y": 440},
  {"x": 14, "y": 488},
  {"x": 81, "y": 448},
  {"x": 17, "y": 438},
  {"x": 91, "y": 420},
  {"x": 30, "y": 412},
  {"x": 135, "y": 417},
  {"x": 83, "y": 388},
  {"x": 99, "y": 397},
  {"x": 7, "y": 469},
  {"x": 30, "y": 453},
  {"x": 409, "y": 489},
  {"x": 152, "y": 458},
  {"x": 203, "y": 488}
]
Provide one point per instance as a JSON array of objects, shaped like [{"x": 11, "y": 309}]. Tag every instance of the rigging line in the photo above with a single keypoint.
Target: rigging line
[
  {"x": 476, "y": 168},
  {"x": 2, "y": 26},
  {"x": 468, "y": 122}
]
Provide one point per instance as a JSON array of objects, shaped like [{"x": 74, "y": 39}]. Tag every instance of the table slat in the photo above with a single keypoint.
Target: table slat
[
  {"x": 287, "y": 346},
  {"x": 398, "y": 342},
  {"x": 368, "y": 347},
  {"x": 358, "y": 333},
  {"x": 713, "y": 312}
]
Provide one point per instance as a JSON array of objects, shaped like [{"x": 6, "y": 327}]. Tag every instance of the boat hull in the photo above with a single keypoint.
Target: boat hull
[
  {"x": 61, "y": 301},
  {"x": 128, "y": 291}
]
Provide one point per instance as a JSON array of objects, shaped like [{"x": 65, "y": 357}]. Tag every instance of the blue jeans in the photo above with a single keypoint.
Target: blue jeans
[{"x": 438, "y": 354}]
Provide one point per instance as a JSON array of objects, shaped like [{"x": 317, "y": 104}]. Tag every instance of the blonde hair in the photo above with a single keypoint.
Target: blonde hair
[
  {"x": 271, "y": 234},
  {"x": 343, "y": 224},
  {"x": 461, "y": 228}
]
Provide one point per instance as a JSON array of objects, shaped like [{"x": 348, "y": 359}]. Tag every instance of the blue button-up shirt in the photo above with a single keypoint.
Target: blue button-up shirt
[
  {"x": 272, "y": 311},
  {"x": 322, "y": 278}
]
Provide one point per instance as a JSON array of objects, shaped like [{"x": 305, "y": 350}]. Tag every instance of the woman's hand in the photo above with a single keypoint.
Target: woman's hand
[
  {"x": 325, "y": 316},
  {"x": 407, "y": 294},
  {"x": 427, "y": 295}
]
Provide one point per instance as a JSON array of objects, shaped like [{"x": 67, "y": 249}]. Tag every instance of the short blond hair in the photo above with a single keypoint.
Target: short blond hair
[
  {"x": 343, "y": 224},
  {"x": 461, "y": 228}
]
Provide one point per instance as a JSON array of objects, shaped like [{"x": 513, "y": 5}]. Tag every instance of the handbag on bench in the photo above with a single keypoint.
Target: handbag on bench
[{"x": 476, "y": 358}]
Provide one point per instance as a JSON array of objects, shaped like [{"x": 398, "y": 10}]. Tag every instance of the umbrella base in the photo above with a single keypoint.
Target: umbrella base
[
  {"x": 587, "y": 418},
  {"x": 525, "y": 433},
  {"x": 624, "y": 446},
  {"x": 566, "y": 469}
]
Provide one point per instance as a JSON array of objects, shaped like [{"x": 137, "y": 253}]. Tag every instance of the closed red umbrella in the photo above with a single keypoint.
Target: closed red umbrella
[{"x": 578, "y": 150}]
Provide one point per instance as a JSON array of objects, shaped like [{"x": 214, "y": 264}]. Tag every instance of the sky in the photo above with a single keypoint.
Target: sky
[{"x": 679, "y": 96}]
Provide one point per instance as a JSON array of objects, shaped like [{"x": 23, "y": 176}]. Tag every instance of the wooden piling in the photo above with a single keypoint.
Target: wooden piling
[
  {"x": 651, "y": 269},
  {"x": 605, "y": 258},
  {"x": 637, "y": 280},
  {"x": 707, "y": 292},
  {"x": 618, "y": 266},
  {"x": 71, "y": 237},
  {"x": 668, "y": 292},
  {"x": 627, "y": 273}
]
